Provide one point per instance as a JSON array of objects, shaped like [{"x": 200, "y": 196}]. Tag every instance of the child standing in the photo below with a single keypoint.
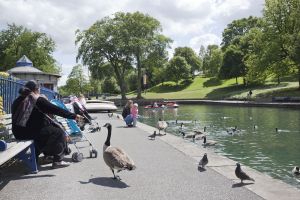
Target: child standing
[{"x": 134, "y": 113}]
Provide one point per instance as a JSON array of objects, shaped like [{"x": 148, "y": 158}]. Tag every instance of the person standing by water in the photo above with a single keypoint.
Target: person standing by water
[
  {"x": 126, "y": 113},
  {"x": 30, "y": 121}
]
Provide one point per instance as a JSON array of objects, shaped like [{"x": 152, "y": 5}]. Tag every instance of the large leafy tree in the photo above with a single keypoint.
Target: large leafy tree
[
  {"x": 124, "y": 40},
  {"x": 206, "y": 57},
  {"x": 282, "y": 18},
  {"x": 231, "y": 66},
  {"x": 105, "y": 41},
  {"x": 236, "y": 29},
  {"x": 190, "y": 56},
  {"x": 16, "y": 41},
  {"x": 233, "y": 42},
  {"x": 178, "y": 69},
  {"x": 77, "y": 82},
  {"x": 143, "y": 37}
]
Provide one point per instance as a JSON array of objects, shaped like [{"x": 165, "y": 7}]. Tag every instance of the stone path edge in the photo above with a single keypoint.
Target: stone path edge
[{"x": 264, "y": 186}]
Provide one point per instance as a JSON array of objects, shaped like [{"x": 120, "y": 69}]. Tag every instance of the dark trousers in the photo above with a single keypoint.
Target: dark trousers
[{"x": 51, "y": 142}]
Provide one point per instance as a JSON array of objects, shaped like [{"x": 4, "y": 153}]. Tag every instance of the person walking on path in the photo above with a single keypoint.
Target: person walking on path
[{"x": 31, "y": 122}]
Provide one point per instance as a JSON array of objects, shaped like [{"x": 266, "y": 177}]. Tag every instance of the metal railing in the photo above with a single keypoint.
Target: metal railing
[{"x": 9, "y": 90}]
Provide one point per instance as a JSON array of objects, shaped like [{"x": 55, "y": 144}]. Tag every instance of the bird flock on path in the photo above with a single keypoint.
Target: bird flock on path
[{"x": 117, "y": 159}]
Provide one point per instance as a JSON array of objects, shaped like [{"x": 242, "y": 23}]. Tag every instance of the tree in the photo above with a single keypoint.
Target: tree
[
  {"x": 77, "y": 82},
  {"x": 236, "y": 29},
  {"x": 283, "y": 30},
  {"x": 215, "y": 62},
  {"x": 190, "y": 56},
  {"x": 104, "y": 42},
  {"x": 231, "y": 66},
  {"x": 206, "y": 66},
  {"x": 125, "y": 40},
  {"x": 233, "y": 42},
  {"x": 178, "y": 69},
  {"x": 154, "y": 66},
  {"x": 109, "y": 85},
  {"x": 16, "y": 41},
  {"x": 143, "y": 36}
]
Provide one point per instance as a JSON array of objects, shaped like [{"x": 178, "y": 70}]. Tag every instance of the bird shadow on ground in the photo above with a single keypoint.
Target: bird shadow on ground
[
  {"x": 200, "y": 169},
  {"x": 107, "y": 182},
  {"x": 235, "y": 185}
]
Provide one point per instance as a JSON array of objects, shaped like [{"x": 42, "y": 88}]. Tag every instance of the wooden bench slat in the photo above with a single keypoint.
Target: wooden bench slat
[{"x": 13, "y": 149}]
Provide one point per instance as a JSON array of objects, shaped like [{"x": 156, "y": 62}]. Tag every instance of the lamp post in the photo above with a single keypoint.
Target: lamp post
[{"x": 145, "y": 81}]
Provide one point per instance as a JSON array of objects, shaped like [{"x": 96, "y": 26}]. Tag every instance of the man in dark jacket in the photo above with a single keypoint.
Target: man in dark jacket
[
  {"x": 126, "y": 113},
  {"x": 30, "y": 122}
]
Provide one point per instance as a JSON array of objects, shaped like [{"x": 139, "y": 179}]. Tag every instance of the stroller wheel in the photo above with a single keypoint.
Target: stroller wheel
[
  {"x": 93, "y": 153},
  {"x": 68, "y": 151},
  {"x": 77, "y": 157}
]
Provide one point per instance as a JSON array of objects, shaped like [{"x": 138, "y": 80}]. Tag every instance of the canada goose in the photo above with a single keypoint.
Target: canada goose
[
  {"x": 161, "y": 125},
  {"x": 110, "y": 115},
  {"x": 296, "y": 171},
  {"x": 208, "y": 142},
  {"x": 241, "y": 174},
  {"x": 203, "y": 161},
  {"x": 114, "y": 157},
  {"x": 152, "y": 137},
  {"x": 197, "y": 137},
  {"x": 234, "y": 129}
]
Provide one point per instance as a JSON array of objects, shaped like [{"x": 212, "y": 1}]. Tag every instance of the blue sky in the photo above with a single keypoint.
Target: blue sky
[{"x": 188, "y": 22}]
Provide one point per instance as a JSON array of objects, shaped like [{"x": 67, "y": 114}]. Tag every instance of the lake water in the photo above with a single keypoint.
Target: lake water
[{"x": 255, "y": 144}]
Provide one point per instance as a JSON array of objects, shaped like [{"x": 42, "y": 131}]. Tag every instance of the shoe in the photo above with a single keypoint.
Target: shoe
[
  {"x": 46, "y": 160},
  {"x": 60, "y": 164}
]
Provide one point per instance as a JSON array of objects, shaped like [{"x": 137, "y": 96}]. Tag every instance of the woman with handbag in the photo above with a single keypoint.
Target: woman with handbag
[{"x": 30, "y": 122}]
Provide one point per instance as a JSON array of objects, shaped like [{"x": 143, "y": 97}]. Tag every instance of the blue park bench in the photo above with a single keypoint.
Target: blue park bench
[{"x": 20, "y": 149}]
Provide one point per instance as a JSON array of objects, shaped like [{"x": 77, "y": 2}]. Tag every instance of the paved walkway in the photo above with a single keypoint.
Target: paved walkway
[{"x": 163, "y": 172}]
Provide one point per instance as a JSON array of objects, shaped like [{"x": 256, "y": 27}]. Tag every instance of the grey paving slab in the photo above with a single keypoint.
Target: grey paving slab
[{"x": 163, "y": 172}]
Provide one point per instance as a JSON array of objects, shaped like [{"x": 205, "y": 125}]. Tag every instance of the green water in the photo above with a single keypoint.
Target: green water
[{"x": 262, "y": 148}]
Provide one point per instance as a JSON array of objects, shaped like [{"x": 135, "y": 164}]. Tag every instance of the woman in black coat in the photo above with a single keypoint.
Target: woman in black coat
[{"x": 30, "y": 122}]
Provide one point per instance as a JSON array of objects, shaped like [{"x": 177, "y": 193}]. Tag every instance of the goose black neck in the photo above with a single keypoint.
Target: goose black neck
[{"x": 107, "y": 142}]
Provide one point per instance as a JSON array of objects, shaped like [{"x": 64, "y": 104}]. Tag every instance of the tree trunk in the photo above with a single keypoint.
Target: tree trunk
[
  {"x": 278, "y": 80},
  {"x": 120, "y": 80},
  {"x": 236, "y": 80},
  {"x": 139, "y": 69},
  {"x": 123, "y": 89}
]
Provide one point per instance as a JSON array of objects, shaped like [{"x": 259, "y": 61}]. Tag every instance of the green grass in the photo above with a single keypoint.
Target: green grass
[{"x": 211, "y": 88}]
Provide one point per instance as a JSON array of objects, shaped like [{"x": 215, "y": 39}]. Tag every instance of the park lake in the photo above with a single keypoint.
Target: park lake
[{"x": 256, "y": 143}]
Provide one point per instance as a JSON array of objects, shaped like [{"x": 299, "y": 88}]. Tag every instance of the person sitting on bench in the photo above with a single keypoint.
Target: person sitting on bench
[{"x": 30, "y": 122}]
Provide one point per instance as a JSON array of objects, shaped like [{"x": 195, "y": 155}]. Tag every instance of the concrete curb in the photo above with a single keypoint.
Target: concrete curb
[{"x": 264, "y": 186}]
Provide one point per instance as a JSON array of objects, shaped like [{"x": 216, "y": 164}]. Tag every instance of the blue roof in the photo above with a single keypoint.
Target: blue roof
[{"x": 24, "y": 61}]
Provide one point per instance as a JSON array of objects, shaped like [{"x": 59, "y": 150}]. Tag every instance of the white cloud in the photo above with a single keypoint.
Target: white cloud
[
  {"x": 204, "y": 40},
  {"x": 187, "y": 22}
]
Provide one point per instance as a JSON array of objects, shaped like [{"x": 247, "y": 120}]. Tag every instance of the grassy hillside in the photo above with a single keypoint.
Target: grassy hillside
[{"x": 210, "y": 88}]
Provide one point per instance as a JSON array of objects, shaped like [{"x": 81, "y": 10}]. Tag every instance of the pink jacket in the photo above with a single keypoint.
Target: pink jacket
[{"x": 134, "y": 112}]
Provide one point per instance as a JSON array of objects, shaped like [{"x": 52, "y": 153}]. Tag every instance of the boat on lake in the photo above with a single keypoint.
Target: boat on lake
[{"x": 163, "y": 104}]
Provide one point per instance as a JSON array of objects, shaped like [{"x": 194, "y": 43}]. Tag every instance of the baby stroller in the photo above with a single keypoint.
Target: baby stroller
[
  {"x": 76, "y": 107},
  {"x": 74, "y": 134}
]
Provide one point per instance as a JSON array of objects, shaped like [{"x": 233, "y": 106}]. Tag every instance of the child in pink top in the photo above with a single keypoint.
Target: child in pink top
[{"x": 134, "y": 112}]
